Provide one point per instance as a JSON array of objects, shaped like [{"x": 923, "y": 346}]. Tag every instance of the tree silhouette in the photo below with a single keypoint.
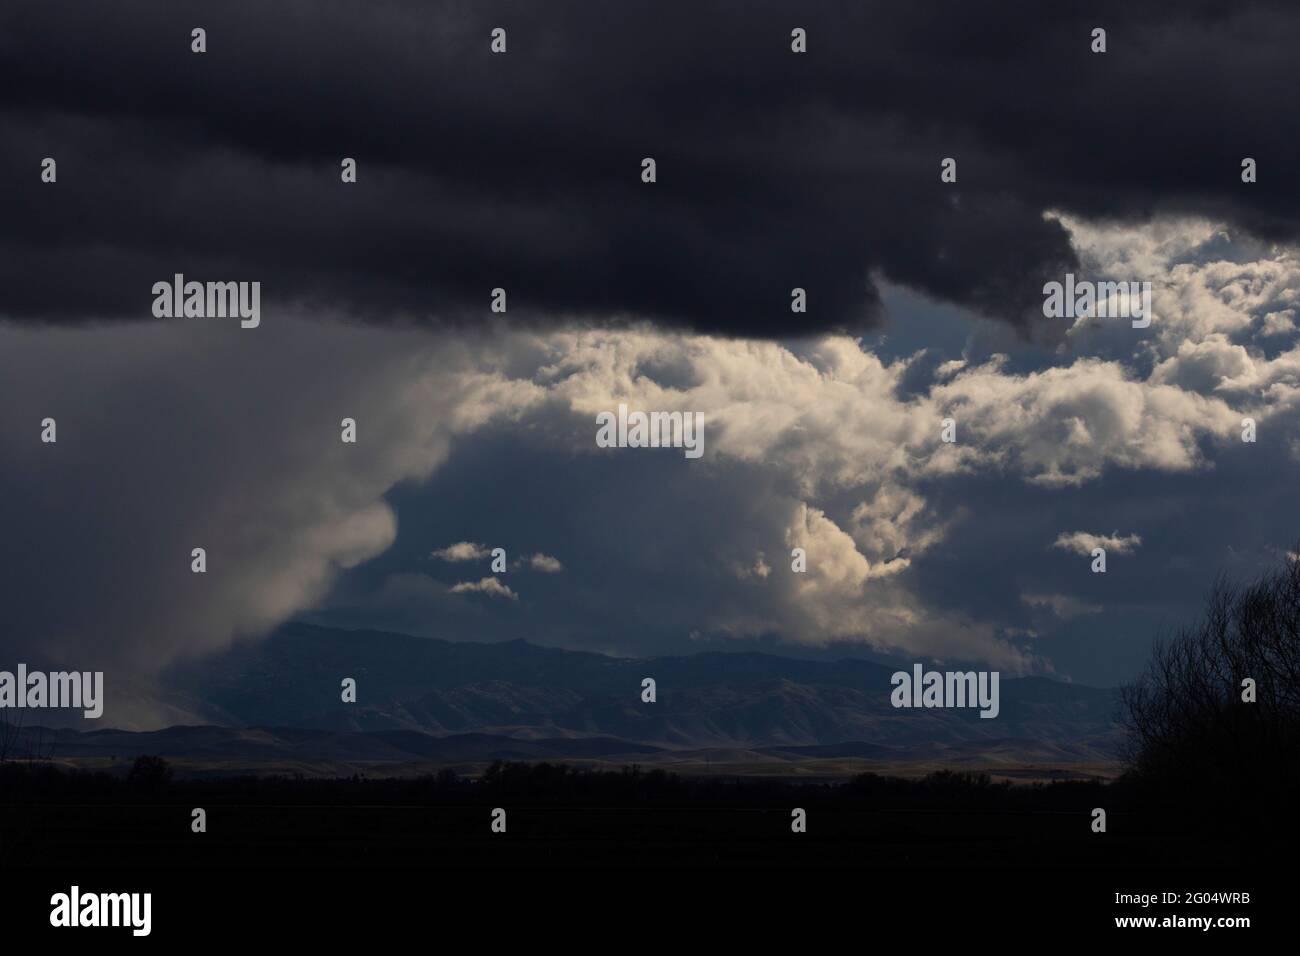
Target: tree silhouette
[
  {"x": 149, "y": 773},
  {"x": 1194, "y": 736}
]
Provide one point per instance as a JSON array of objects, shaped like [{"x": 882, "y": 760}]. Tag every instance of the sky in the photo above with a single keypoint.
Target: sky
[{"x": 477, "y": 430}]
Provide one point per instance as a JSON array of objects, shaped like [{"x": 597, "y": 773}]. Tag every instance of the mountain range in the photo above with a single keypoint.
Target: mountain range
[{"x": 424, "y": 700}]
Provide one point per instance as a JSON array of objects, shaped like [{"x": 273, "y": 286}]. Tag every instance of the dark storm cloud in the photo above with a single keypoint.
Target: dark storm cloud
[{"x": 522, "y": 170}]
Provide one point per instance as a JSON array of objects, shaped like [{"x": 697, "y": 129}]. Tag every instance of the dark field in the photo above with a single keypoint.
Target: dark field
[
  {"x": 459, "y": 836},
  {"x": 560, "y": 816},
  {"x": 341, "y": 856}
]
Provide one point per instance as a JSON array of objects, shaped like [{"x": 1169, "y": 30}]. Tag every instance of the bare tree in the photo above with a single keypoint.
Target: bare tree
[{"x": 1193, "y": 726}]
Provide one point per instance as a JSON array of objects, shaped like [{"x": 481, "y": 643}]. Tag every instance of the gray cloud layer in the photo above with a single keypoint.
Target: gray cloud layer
[{"x": 522, "y": 170}]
